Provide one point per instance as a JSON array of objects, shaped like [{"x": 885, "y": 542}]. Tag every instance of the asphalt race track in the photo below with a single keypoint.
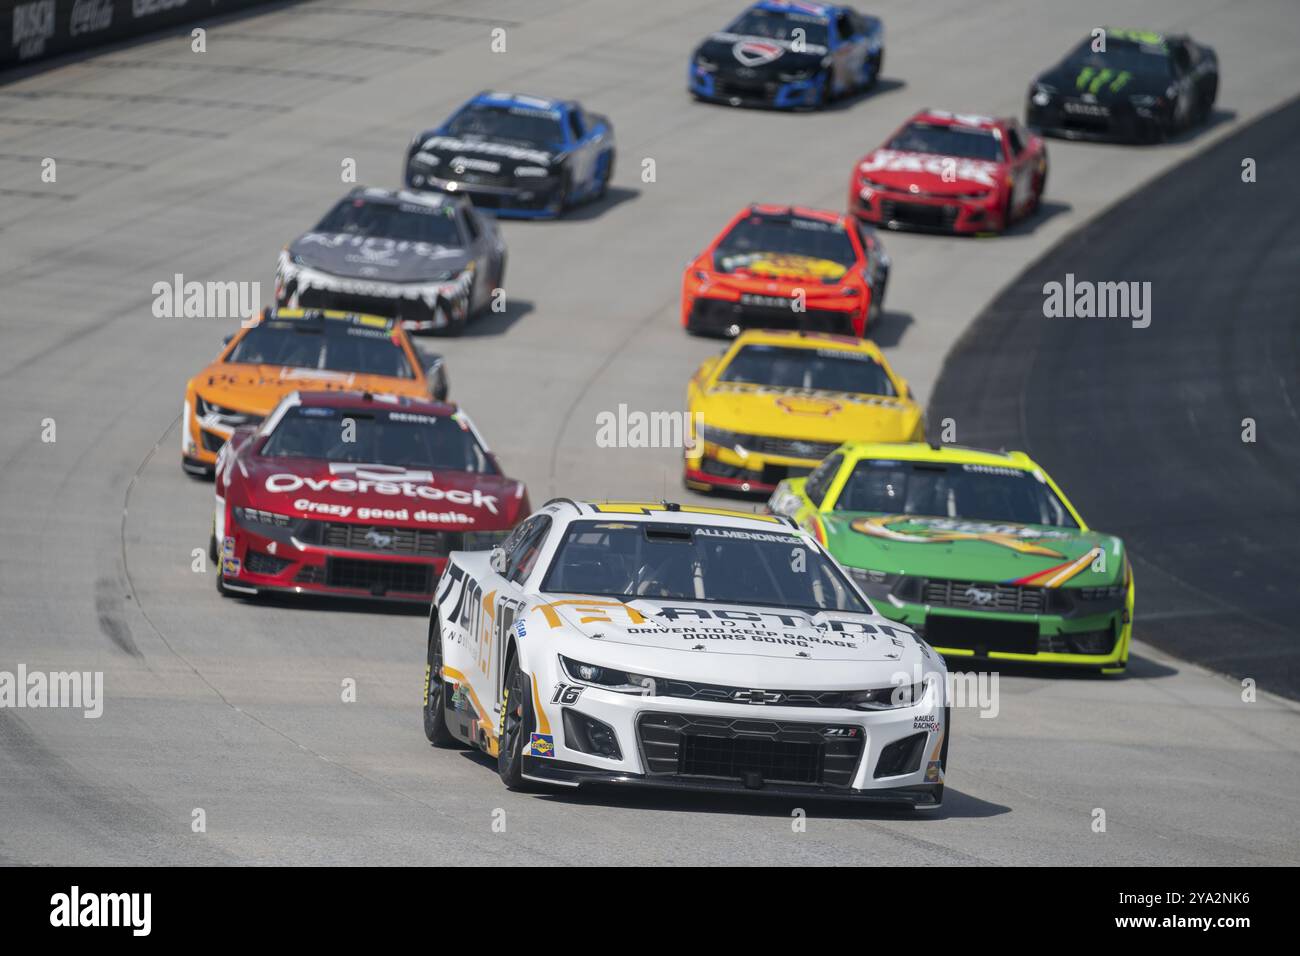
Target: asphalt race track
[
  {"x": 206, "y": 164},
  {"x": 1147, "y": 423}
]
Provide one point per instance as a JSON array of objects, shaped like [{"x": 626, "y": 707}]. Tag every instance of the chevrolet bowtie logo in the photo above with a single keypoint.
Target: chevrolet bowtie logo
[{"x": 757, "y": 697}]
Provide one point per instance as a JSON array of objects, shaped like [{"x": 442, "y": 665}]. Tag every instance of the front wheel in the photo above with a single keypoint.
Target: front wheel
[
  {"x": 517, "y": 725},
  {"x": 435, "y": 688},
  {"x": 606, "y": 175},
  {"x": 827, "y": 96}
]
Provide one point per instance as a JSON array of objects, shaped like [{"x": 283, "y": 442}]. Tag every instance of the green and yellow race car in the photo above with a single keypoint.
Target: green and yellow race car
[{"x": 978, "y": 551}]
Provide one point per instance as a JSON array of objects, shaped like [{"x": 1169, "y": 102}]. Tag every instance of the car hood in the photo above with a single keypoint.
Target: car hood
[
  {"x": 758, "y": 58},
  {"x": 256, "y": 389},
  {"x": 450, "y": 156},
  {"x": 1078, "y": 79},
  {"x": 816, "y": 415},
  {"x": 734, "y": 630},
  {"x": 774, "y": 273},
  {"x": 983, "y": 551},
  {"x": 410, "y": 498},
  {"x": 377, "y": 258},
  {"x": 929, "y": 172}
]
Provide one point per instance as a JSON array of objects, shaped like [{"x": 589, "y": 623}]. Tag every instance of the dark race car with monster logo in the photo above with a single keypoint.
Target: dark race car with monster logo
[
  {"x": 951, "y": 172},
  {"x": 787, "y": 267},
  {"x": 358, "y": 495},
  {"x": 519, "y": 156},
  {"x": 431, "y": 261},
  {"x": 789, "y": 55},
  {"x": 667, "y": 645},
  {"x": 1126, "y": 85}
]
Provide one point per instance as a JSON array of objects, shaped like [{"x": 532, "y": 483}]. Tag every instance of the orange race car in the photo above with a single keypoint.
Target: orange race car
[
  {"x": 787, "y": 267},
  {"x": 290, "y": 350}
]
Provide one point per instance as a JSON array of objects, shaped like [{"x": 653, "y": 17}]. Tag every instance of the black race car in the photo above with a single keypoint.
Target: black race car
[
  {"x": 427, "y": 259},
  {"x": 1126, "y": 85},
  {"x": 789, "y": 54},
  {"x": 519, "y": 156}
]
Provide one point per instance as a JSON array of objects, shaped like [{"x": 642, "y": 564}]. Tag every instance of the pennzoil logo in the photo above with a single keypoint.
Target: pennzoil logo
[{"x": 774, "y": 265}]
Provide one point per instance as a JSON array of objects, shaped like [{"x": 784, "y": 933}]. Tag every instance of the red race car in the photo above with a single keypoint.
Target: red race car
[
  {"x": 358, "y": 495},
  {"x": 951, "y": 172},
  {"x": 787, "y": 267}
]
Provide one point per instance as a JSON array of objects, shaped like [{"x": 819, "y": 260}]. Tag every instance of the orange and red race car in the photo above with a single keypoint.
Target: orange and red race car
[
  {"x": 951, "y": 172},
  {"x": 787, "y": 267},
  {"x": 289, "y": 350}
]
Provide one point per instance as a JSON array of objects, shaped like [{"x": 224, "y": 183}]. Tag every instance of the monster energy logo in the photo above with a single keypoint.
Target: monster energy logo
[{"x": 1093, "y": 80}]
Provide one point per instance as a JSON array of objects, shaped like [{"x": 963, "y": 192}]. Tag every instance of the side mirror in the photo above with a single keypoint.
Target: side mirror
[
  {"x": 436, "y": 373},
  {"x": 497, "y": 559}
]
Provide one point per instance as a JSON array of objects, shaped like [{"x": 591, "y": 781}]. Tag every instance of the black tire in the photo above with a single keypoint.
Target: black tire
[
  {"x": 501, "y": 274},
  {"x": 562, "y": 197},
  {"x": 604, "y": 182},
  {"x": 453, "y": 329},
  {"x": 435, "y": 689},
  {"x": 1040, "y": 192},
  {"x": 876, "y": 311},
  {"x": 213, "y": 556},
  {"x": 828, "y": 92},
  {"x": 517, "y": 724}
]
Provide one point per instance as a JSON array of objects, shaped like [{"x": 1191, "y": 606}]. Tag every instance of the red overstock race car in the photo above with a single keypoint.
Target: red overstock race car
[
  {"x": 951, "y": 172},
  {"x": 358, "y": 495},
  {"x": 787, "y": 267}
]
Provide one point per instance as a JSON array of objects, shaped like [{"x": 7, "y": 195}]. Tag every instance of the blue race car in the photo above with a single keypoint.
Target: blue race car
[
  {"x": 789, "y": 55},
  {"x": 516, "y": 155}
]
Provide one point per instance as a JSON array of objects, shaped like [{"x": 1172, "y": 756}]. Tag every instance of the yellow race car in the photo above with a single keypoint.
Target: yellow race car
[
  {"x": 298, "y": 350},
  {"x": 775, "y": 404}
]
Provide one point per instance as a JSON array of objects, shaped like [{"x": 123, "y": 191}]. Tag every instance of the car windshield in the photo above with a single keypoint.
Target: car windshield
[
  {"x": 780, "y": 246},
  {"x": 963, "y": 141},
  {"x": 328, "y": 345},
  {"x": 532, "y": 127},
  {"x": 366, "y": 436},
  {"x": 775, "y": 25},
  {"x": 1122, "y": 56},
  {"x": 976, "y": 492},
  {"x": 828, "y": 370},
  {"x": 412, "y": 222},
  {"x": 630, "y": 560}
]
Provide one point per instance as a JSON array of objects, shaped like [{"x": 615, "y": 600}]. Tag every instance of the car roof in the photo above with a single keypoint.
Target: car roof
[
  {"x": 795, "y": 6},
  {"x": 1142, "y": 37},
  {"x": 525, "y": 100},
  {"x": 949, "y": 454},
  {"x": 393, "y": 197},
  {"x": 796, "y": 212},
  {"x": 356, "y": 399},
  {"x": 668, "y": 512},
  {"x": 948, "y": 118},
  {"x": 333, "y": 315},
  {"x": 808, "y": 340}
]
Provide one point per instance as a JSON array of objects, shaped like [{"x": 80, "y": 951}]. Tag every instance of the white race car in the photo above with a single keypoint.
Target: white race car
[{"x": 680, "y": 647}]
